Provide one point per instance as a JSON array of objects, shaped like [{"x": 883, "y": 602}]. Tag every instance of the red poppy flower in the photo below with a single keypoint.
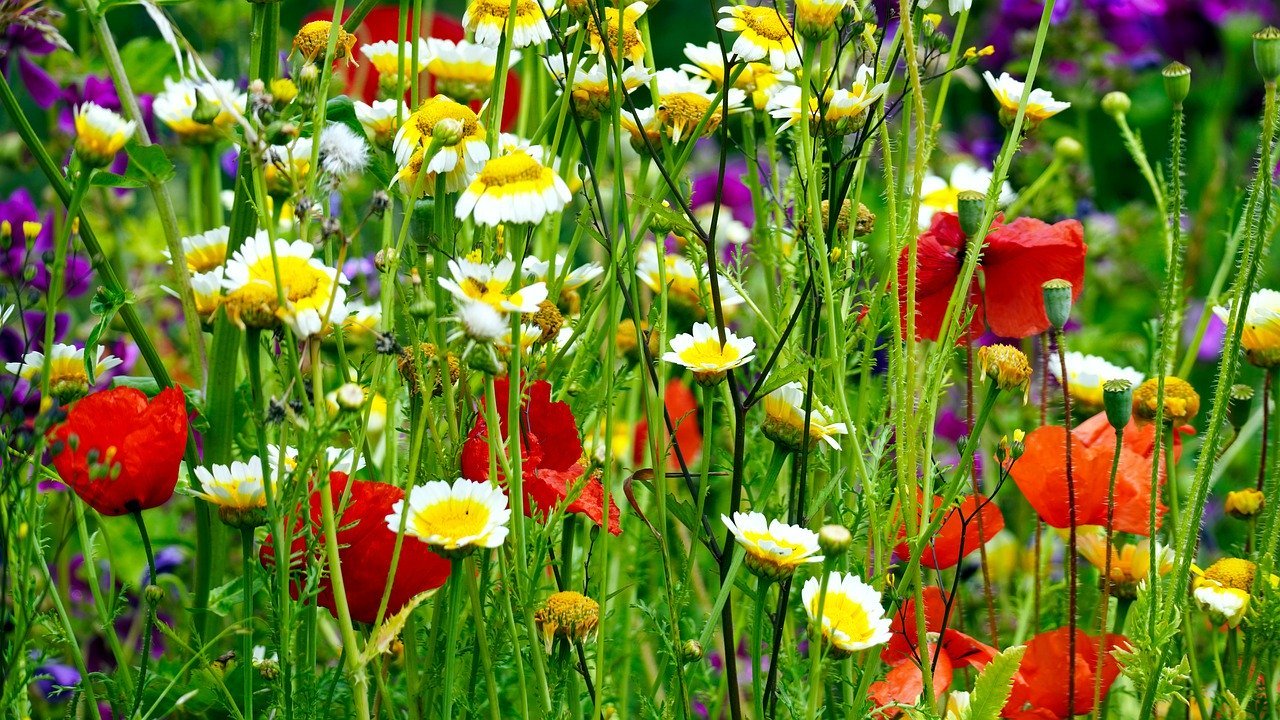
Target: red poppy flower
[
  {"x": 383, "y": 23},
  {"x": 953, "y": 650},
  {"x": 365, "y": 546},
  {"x": 551, "y": 456},
  {"x": 1041, "y": 474},
  {"x": 1017, "y": 260},
  {"x": 119, "y": 452},
  {"x": 682, "y": 406},
  {"x": 1040, "y": 686},
  {"x": 959, "y": 534}
]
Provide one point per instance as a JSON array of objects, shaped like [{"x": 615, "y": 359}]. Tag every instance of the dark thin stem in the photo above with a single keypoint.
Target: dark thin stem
[
  {"x": 1071, "y": 511},
  {"x": 1105, "y": 606},
  {"x": 150, "y": 610},
  {"x": 987, "y": 593}
]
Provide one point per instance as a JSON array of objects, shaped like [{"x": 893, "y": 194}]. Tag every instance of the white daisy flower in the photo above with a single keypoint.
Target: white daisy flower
[
  {"x": 1261, "y": 336},
  {"x": 541, "y": 270},
  {"x": 480, "y": 282},
  {"x": 205, "y": 251},
  {"x": 464, "y": 70},
  {"x": 341, "y": 460},
  {"x": 480, "y": 322},
  {"x": 683, "y": 102},
  {"x": 1086, "y": 374},
  {"x": 852, "y": 617},
  {"x": 774, "y": 549},
  {"x": 238, "y": 486},
  {"x": 513, "y": 188},
  {"x": 454, "y": 519},
  {"x": 207, "y": 288},
  {"x": 784, "y": 419},
  {"x": 756, "y": 79},
  {"x": 1040, "y": 106},
  {"x": 488, "y": 19},
  {"x": 590, "y": 89},
  {"x": 702, "y": 352},
  {"x": 763, "y": 34},
  {"x": 846, "y": 110},
  {"x": 176, "y": 105},
  {"x": 939, "y": 195},
  {"x": 384, "y": 56},
  {"x": 684, "y": 284},
  {"x": 65, "y": 366},
  {"x": 458, "y": 161},
  {"x": 313, "y": 293},
  {"x": 378, "y": 120},
  {"x": 100, "y": 134}
]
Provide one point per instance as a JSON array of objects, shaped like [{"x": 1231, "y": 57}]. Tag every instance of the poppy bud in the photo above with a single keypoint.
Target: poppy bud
[
  {"x": 1116, "y": 103},
  {"x": 1057, "y": 302},
  {"x": 970, "y": 206},
  {"x": 1238, "y": 408},
  {"x": 834, "y": 540},
  {"x": 1068, "y": 148},
  {"x": 1266, "y": 53},
  {"x": 569, "y": 615},
  {"x": 1177, "y": 82},
  {"x": 1117, "y": 400},
  {"x": 1245, "y": 504},
  {"x": 1006, "y": 365}
]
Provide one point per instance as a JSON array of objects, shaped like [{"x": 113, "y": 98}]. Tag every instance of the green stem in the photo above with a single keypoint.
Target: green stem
[
  {"x": 246, "y": 564},
  {"x": 149, "y": 603},
  {"x": 57, "y": 278},
  {"x": 482, "y": 639},
  {"x": 757, "y": 645},
  {"x": 1105, "y": 606},
  {"x": 354, "y": 668},
  {"x": 451, "y": 635}
]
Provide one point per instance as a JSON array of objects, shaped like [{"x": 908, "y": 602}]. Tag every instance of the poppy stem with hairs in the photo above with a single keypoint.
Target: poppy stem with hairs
[
  {"x": 1060, "y": 342},
  {"x": 149, "y": 599},
  {"x": 1105, "y": 605}
]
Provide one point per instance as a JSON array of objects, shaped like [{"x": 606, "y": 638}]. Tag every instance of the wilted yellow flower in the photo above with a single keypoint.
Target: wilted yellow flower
[
  {"x": 1181, "y": 401},
  {"x": 1245, "y": 504},
  {"x": 569, "y": 615},
  {"x": 313, "y": 39},
  {"x": 1006, "y": 365}
]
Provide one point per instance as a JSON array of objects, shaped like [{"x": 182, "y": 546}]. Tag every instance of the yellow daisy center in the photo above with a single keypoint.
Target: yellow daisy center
[
  {"x": 510, "y": 169},
  {"x": 439, "y": 108},
  {"x": 1233, "y": 573},
  {"x": 451, "y": 518},
  {"x": 710, "y": 353},
  {"x": 206, "y": 257},
  {"x": 794, "y": 552},
  {"x": 525, "y": 9},
  {"x": 766, "y": 22},
  {"x": 845, "y": 616},
  {"x": 943, "y": 199}
]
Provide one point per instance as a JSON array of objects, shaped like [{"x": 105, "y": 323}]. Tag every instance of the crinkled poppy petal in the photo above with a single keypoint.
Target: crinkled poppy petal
[
  {"x": 903, "y": 684},
  {"x": 904, "y": 639},
  {"x": 549, "y": 488},
  {"x": 682, "y": 408},
  {"x": 554, "y": 427},
  {"x": 1041, "y": 475},
  {"x": 961, "y": 532},
  {"x": 1018, "y": 259},
  {"x": 937, "y": 270},
  {"x": 1040, "y": 686}
]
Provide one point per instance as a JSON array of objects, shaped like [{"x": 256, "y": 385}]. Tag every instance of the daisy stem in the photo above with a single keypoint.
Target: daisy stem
[
  {"x": 149, "y": 607},
  {"x": 498, "y": 96},
  {"x": 1105, "y": 605},
  {"x": 77, "y": 655},
  {"x": 90, "y": 567},
  {"x": 482, "y": 638},
  {"x": 757, "y": 644},
  {"x": 57, "y": 280},
  {"x": 1034, "y": 189},
  {"x": 815, "y": 642},
  {"x": 1072, "y": 564},
  {"x": 246, "y": 580},
  {"x": 451, "y": 633}
]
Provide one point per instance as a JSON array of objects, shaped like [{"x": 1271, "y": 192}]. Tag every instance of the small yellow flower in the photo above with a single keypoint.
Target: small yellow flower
[
  {"x": 100, "y": 134},
  {"x": 764, "y": 33},
  {"x": 815, "y": 19},
  {"x": 569, "y": 615},
  {"x": 784, "y": 411},
  {"x": 454, "y": 519},
  {"x": 852, "y": 617},
  {"x": 1181, "y": 401},
  {"x": 1006, "y": 365},
  {"x": 313, "y": 39},
  {"x": 620, "y": 29},
  {"x": 513, "y": 188},
  {"x": 1261, "y": 336},
  {"x": 1245, "y": 504},
  {"x": 283, "y": 90},
  {"x": 1040, "y": 106},
  {"x": 488, "y": 20},
  {"x": 703, "y": 353},
  {"x": 1223, "y": 590},
  {"x": 774, "y": 550},
  {"x": 1130, "y": 562}
]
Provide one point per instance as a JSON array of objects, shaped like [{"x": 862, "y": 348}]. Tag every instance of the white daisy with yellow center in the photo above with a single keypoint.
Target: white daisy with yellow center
[
  {"x": 683, "y": 102},
  {"x": 385, "y": 56},
  {"x": 840, "y": 111},
  {"x": 1130, "y": 562},
  {"x": 1261, "y": 336},
  {"x": 1040, "y": 105},
  {"x": 759, "y": 80},
  {"x": 65, "y": 368},
  {"x": 207, "y": 289},
  {"x": 590, "y": 85},
  {"x": 542, "y": 270},
  {"x": 816, "y": 18},
  {"x": 513, "y": 188},
  {"x": 620, "y": 30},
  {"x": 454, "y": 519},
  {"x": 774, "y": 549},
  {"x": 176, "y": 107},
  {"x": 1086, "y": 374},
  {"x": 464, "y": 70},
  {"x": 238, "y": 486},
  {"x": 686, "y": 287},
  {"x": 490, "y": 284},
  {"x": 939, "y": 195},
  {"x": 314, "y": 298},
  {"x": 529, "y": 335},
  {"x": 488, "y": 20},
  {"x": 852, "y": 617},
  {"x": 702, "y": 352},
  {"x": 341, "y": 460},
  {"x": 784, "y": 410},
  {"x": 764, "y": 34},
  {"x": 364, "y": 320},
  {"x": 645, "y": 133},
  {"x": 458, "y": 161},
  {"x": 100, "y": 134},
  {"x": 286, "y": 166},
  {"x": 378, "y": 120},
  {"x": 207, "y": 250}
]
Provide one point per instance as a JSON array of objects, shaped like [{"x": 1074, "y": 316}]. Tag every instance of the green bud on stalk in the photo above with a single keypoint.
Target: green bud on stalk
[
  {"x": 1116, "y": 103},
  {"x": 1266, "y": 53},
  {"x": 1117, "y": 400},
  {"x": 969, "y": 205},
  {"x": 1057, "y": 302},
  {"x": 1177, "y": 82}
]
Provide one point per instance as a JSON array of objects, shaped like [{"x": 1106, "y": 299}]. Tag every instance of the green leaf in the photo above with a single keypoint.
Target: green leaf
[
  {"x": 102, "y": 178},
  {"x": 991, "y": 691},
  {"x": 228, "y": 598},
  {"x": 342, "y": 110},
  {"x": 148, "y": 61},
  {"x": 148, "y": 162},
  {"x": 105, "y": 304},
  {"x": 380, "y": 641}
]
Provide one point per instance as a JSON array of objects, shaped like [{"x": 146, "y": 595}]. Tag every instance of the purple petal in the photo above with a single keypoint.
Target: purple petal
[{"x": 43, "y": 89}]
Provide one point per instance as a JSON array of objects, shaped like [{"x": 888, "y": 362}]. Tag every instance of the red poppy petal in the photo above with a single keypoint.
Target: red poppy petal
[{"x": 1019, "y": 258}]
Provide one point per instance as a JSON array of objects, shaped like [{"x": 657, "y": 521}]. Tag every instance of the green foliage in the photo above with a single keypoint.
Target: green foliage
[{"x": 995, "y": 682}]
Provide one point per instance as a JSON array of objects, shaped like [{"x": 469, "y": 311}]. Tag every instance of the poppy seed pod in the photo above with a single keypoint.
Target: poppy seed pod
[
  {"x": 1177, "y": 82},
  {"x": 1117, "y": 400},
  {"x": 1057, "y": 302},
  {"x": 1266, "y": 53},
  {"x": 1116, "y": 103},
  {"x": 969, "y": 206},
  {"x": 1239, "y": 406}
]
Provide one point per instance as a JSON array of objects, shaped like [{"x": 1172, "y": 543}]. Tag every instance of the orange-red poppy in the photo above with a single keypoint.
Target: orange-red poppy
[
  {"x": 682, "y": 407},
  {"x": 1041, "y": 474},
  {"x": 551, "y": 456},
  {"x": 952, "y": 650},
  {"x": 1040, "y": 688},
  {"x": 1017, "y": 259},
  {"x": 120, "y": 452},
  {"x": 959, "y": 534}
]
